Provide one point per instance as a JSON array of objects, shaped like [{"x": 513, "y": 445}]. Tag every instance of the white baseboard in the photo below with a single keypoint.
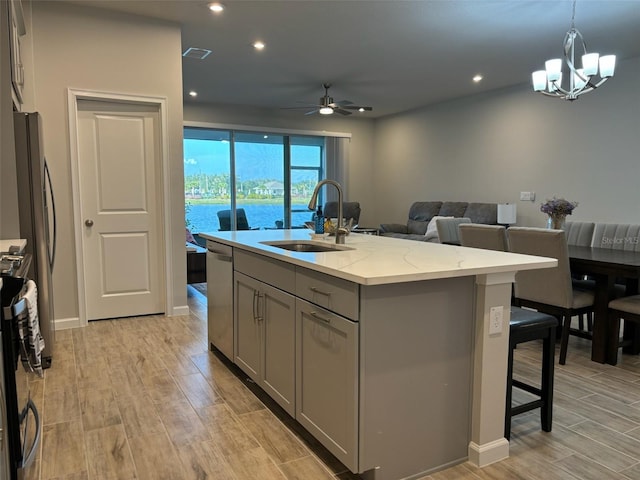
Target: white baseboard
[
  {"x": 182, "y": 310},
  {"x": 483, "y": 455},
  {"x": 67, "y": 323},
  {"x": 74, "y": 322}
]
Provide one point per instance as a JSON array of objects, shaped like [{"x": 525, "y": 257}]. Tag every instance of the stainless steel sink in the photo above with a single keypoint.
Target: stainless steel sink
[{"x": 306, "y": 246}]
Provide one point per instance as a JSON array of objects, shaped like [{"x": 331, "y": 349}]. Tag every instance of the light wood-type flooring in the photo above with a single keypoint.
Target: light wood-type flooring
[{"x": 143, "y": 398}]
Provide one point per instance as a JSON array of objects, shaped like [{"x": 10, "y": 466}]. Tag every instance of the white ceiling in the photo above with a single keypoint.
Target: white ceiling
[{"x": 394, "y": 55}]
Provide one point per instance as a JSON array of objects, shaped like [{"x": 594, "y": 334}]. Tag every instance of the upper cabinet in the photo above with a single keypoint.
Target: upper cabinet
[{"x": 17, "y": 31}]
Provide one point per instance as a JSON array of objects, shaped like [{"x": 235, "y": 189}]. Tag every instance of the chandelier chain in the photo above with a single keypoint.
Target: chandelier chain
[{"x": 573, "y": 15}]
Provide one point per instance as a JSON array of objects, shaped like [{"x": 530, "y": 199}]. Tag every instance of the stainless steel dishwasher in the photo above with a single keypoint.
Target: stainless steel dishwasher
[{"x": 220, "y": 297}]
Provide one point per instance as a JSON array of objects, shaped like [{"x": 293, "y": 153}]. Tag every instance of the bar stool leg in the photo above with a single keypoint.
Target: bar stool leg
[
  {"x": 548, "y": 361},
  {"x": 507, "y": 417}
]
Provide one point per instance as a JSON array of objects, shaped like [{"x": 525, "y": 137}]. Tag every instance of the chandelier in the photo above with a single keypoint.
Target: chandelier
[{"x": 580, "y": 80}]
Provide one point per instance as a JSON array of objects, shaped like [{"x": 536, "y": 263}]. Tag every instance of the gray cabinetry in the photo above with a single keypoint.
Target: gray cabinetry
[
  {"x": 335, "y": 294},
  {"x": 265, "y": 337},
  {"x": 327, "y": 379}
]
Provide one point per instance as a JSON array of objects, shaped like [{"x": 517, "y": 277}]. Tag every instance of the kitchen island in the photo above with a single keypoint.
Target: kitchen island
[{"x": 382, "y": 348}]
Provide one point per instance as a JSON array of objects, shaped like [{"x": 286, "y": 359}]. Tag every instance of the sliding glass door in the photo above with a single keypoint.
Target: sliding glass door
[{"x": 265, "y": 179}]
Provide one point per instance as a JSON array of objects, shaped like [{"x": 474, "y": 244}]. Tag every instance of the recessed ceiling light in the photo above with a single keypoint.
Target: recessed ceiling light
[
  {"x": 193, "y": 93},
  {"x": 477, "y": 78},
  {"x": 216, "y": 7},
  {"x": 259, "y": 45}
]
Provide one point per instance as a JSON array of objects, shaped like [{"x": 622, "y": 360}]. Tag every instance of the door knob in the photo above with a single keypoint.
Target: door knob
[{"x": 88, "y": 222}]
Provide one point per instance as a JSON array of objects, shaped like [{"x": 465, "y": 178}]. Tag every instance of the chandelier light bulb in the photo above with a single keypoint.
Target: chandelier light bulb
[
  {"x": 590, "y": 64},
  {"x": 554, "y": 69},
  {"x": 607, "y": 66},
  {"x": 539, "y": 78}
]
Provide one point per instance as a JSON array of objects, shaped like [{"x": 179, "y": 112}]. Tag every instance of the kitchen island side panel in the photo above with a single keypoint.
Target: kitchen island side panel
[{"x": 416, "y": 342}]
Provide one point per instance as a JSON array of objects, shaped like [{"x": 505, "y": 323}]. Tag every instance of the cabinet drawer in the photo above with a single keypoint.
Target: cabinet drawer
[
  {"x": 268, "y": 270},
  {"x": 335, "y": 294}
]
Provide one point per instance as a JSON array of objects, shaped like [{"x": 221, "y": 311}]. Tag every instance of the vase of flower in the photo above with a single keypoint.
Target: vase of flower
[
  {"x": 556, "y": 222},
  {"x": 557, "y": 210}
]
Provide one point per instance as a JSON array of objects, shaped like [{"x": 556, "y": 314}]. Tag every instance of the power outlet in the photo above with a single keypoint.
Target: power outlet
[{"x": 495, "y": 320}]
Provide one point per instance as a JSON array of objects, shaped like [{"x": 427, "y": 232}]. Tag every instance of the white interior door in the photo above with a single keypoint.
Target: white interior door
[{"x": 119, "y": 165}]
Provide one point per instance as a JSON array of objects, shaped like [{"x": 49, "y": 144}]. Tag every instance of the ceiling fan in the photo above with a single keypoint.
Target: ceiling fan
[{"x": 327, "y": 106}]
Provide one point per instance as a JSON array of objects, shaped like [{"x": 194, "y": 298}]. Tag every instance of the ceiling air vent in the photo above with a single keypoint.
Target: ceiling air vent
[{"x": 197, "y": 53}]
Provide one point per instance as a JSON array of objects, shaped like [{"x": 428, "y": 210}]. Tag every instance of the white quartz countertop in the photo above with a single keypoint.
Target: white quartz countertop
[{"x": 374, "y": 260}]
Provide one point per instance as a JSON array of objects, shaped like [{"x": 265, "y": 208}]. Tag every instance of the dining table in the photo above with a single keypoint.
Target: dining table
[{"x": 607, "y": 267}]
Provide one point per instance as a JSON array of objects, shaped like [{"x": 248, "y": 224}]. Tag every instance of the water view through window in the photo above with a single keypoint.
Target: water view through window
[{"x": 267, "y": 177}]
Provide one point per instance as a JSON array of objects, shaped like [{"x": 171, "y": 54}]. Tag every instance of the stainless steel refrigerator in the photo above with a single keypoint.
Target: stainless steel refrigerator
[{"x": 36, "y": 208}]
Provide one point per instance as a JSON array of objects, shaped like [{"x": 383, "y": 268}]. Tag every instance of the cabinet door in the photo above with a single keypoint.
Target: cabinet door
[
  {"x": 327, "y": 379},
  {"x": 278, "y": 371},
  {"x": 248, "y": 325}
]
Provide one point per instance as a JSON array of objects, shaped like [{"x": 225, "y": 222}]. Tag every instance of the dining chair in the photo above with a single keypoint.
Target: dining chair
[
  {"x": 448, "y": 229},
  {"x": 549, "y": 290},
  {"x": 581, "y": 234},
  {"x": 478, "y": 235},
  {"x": 617, "y": 236},
  {"x": 627, "y": 309}
]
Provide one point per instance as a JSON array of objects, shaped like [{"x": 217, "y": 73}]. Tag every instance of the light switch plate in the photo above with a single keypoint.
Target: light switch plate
[{"x": 528, "y": 196}]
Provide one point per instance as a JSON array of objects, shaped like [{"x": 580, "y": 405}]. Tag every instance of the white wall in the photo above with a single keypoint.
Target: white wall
[
  {"x": 490, "y": 147},
  {"x": 360, "y": 172},
  {"x": 85, "y": 48}
]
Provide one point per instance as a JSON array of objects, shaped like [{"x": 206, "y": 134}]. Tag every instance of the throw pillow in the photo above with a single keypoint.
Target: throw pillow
[{"x": 432, "y": 231}]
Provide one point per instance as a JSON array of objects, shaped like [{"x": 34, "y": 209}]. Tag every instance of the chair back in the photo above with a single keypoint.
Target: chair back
[
  {"x": 489, "y": 237},
  {"x": 617, "y": 236},
  {"x": 349, "y": 210},
  {"x": 579, "y": 233},
  {"x": 224, "y": 217},
  {"x": 448, "y": 229},
  {"x": 551, "y": 286}
]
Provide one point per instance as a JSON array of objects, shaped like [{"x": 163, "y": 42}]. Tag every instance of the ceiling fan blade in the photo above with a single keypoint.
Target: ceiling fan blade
[
  {"x": 341, "y": 103},
  {"x": 311, "y": 112},
  {"x": 358, "y": 107},
  {"x": 341, "y": 111},
  {"x": 308, "y": 105}
]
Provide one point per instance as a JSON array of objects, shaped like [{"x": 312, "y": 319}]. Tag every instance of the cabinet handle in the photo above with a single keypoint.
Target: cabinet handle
[
  {"x": 256, "y": 306},
  {"x": 315, "y": 290},
  {"x": 318, "y": 317}
]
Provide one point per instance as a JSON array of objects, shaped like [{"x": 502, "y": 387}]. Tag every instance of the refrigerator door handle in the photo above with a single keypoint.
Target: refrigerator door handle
[{"x": 52, "y": 251}]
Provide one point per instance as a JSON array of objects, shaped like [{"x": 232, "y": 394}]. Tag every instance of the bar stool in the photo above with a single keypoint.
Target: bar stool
[{"x": 527, "y": 325}]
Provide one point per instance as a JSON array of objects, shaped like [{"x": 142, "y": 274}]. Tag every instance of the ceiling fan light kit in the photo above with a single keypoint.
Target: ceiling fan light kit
[
  {"x": 549, "y": 81},
  {"x": 326, "y": 105}
]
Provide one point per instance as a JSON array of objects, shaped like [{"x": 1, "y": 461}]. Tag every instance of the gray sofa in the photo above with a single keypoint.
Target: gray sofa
[{"x": 421, "y": 213}]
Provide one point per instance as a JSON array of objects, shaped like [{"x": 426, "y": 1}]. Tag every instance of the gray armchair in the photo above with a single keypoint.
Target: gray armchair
[{"x": 350, "y": 210}]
